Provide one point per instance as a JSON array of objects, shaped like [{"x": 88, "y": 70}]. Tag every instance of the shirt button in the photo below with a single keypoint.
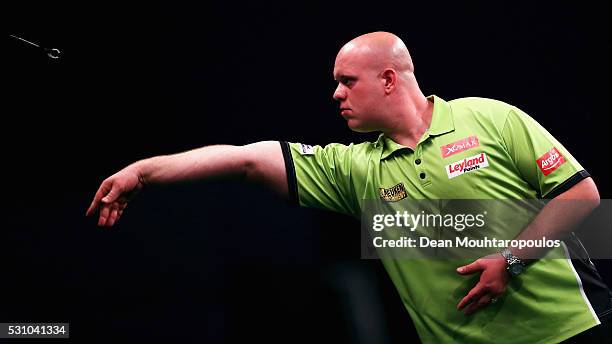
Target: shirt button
[
  {"x": 417, "y": 161},
  {"x": 422, "y": 175}
]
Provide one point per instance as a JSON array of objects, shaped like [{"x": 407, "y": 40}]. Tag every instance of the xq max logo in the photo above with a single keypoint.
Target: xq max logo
[{"x": 459, "y": 146}]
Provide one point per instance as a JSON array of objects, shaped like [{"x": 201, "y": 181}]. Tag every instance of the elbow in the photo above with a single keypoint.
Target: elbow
[
  {"x": 596, "y": 202},
  {"x": 261, "y": 162},
  {"x": 591, "y": 193},
  {"x": 584, "y": 193},
  {"x": 251, "y": 166}
]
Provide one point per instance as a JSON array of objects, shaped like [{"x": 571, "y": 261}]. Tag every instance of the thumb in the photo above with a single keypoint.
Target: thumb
[
  {"x": 469, "y": 269},
  {"x": 112, "y": 195}
]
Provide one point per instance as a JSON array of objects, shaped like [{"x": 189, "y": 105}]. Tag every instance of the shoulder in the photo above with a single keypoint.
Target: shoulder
[
  {"x": 482, "y": 110},
  {"x": 356, "y": 151}
]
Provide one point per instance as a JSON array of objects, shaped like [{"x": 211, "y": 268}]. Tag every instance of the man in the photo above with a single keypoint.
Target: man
[{"x": 422, "y": 153}]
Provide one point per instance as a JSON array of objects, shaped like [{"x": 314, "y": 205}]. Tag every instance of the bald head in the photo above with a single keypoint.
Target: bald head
[
  {"x": 377, "y": 89},
  {"x": 379, "y": 50}
]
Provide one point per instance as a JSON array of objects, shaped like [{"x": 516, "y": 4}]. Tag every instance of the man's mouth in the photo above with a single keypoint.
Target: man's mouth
[{"x": 344, "y": 111}]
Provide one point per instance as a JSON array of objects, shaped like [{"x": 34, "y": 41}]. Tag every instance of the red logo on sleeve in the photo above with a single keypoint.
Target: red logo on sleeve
[
  {"x": 459, "y": 146},
  {"x": 550, "y": 161}
]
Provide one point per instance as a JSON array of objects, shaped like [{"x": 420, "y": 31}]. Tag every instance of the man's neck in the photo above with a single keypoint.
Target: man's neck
[{"x": 412, "y": 123}]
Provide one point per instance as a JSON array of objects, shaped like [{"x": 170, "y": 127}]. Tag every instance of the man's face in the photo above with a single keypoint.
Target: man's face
[{"x": 360, "y": 91}]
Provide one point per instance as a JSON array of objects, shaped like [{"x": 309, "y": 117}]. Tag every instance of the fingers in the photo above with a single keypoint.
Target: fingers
[
  {"x": 492, "y": 283},
  {"x": 470, "y": 268},
  {"x": 107, "y": 193},
  {"x": 92, "y": 207},
  {"x": 110, "y": 211},
  {"x": 474, "y": 294},
  {"x": 105, "y": 198},
  {"x": 102, "y": 190},
  {"x": 114, "y": 215},
  {"x": 112, "y": 195},
  {"x": 110, "y": 214},
  {"x": 476, "y": 298},
  {"x": 104, "y": 214},
  {"x": 481, "y": 302}
]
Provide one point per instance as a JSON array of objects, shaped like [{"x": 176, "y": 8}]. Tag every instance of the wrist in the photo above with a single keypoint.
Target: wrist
[
  {"x": 514, "y": 265},
  {"x": 141, "y": 171}
]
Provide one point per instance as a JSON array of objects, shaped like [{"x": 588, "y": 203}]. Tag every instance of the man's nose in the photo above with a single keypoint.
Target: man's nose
[{"x": 339, "y": 93}]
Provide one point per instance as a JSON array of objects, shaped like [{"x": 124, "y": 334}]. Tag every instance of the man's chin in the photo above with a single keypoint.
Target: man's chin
[{"x": 359, "y": 127}]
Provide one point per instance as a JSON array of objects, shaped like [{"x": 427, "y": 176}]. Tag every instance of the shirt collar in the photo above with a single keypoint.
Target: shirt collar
[{"x": 441, "y": 123}]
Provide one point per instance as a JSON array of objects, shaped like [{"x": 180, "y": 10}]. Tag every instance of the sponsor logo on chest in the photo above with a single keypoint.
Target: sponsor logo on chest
[
  {"x": 393, "y": 194},
  {"x": 550, "y": 161},
  {"x": 459, "y": 146},
  {"x": 466, "y": 165}
]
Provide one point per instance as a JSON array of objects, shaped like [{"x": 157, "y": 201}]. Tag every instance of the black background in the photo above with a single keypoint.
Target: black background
[{"x": 224, "y": 261}]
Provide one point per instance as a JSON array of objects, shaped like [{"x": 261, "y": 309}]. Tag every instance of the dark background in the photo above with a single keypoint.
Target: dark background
[{"x": 224, "y": 261}]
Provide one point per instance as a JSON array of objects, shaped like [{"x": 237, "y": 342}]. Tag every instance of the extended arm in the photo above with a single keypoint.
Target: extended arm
[{"x": 260, "y": 162}]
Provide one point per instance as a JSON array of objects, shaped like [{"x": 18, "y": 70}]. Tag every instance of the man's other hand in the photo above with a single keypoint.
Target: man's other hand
[{"x": 493, "y": 281}]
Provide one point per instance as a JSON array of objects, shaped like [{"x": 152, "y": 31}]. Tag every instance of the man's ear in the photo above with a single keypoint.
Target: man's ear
[{"x": 389, "y": 77}]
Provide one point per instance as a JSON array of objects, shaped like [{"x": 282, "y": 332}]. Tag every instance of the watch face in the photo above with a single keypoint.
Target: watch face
[{"x": 515, "y": 269}]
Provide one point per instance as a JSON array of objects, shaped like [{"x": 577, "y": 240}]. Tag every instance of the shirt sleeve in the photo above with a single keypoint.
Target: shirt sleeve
[
  {"x": 320, "y": 177},
  {"x": 542, "y": 161}
]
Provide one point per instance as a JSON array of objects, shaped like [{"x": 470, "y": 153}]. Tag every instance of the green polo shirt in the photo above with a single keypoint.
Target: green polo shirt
[{"x": 475, "y": 148}]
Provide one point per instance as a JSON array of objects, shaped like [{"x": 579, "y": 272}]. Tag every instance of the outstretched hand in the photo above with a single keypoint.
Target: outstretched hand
[
  {"x": 492, "y": 284},
  {"x": 114, "y": 194}
]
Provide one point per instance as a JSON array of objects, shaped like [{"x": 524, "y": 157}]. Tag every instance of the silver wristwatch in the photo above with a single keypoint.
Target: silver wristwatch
[{"x": 514, "y": 264}]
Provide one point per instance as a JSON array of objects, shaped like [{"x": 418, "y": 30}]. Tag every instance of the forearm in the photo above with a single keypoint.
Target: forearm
[
  {"x": 559, "y": 217},
  {"x": 202, "y": 163},
  {"x": 260, "y": 162}
]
